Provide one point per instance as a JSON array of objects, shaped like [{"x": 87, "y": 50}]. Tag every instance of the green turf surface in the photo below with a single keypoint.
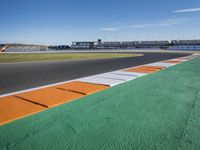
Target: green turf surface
[
  {"x": 28, "y": 57},
  {"x": 157, "y": 111}
]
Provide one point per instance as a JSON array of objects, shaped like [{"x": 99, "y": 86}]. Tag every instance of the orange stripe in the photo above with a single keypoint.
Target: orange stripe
[
  {"x": 140, "y": 70},
  {"x": 20, "y": 105},
  {"x": 153, "y": 67},
  {"x": 145, "y": 69},
  {"x": 12, "y": 108},
  {"x": 172, "y": 61},
  {"x": 49, "y": 96},
  {"x": 82, "y": 87}
]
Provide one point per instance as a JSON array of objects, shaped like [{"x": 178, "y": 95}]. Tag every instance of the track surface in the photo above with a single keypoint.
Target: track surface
[{"x": 20, "y": 76}]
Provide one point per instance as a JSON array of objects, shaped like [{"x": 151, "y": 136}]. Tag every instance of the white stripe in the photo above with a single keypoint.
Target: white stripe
[
  {"x": 125, "y": 73},
  {"x": 116, "y": 76},
  {"x": 161, "y": 64},
  {"x": 101, "y": 80},
  {"x": 182, "y": 60}
]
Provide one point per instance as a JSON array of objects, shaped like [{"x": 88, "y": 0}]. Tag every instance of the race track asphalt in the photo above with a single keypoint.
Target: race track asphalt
[{"x": 21, "y": 76}]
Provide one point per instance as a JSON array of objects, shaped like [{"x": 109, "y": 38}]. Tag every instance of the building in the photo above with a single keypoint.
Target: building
[
  {"x": 127, "y": 45},
  {"x": 111, "y": 45},
  {"x": 134, "y": 44},
  {"x": 83, "y": 45},
  {"x": 147, "y": 44}
]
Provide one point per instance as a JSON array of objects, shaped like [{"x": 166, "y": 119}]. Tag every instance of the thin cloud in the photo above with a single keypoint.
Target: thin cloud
[
  {"x": 162, "y": 23},
  {"x": 109, "y": 29},
  {"x": 171, "y": 22},
  {"x": 141, "y": 26},
  {"x": 190, "y": 10}
]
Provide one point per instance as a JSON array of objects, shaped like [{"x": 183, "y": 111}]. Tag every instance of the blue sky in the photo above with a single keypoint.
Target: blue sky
[{"x": 64, "y": 21}]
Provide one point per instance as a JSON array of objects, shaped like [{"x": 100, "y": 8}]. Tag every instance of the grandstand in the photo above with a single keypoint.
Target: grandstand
[
  {"x": 186, "y": 48},
  {"x": 31, "y": 48},
  {"x": 149, "y": 44},
  {"x": 26, "y": 49},
  {"x": 185, "y": 42},
  {"x": 16, "y": 47},
  {"x": 193, "y": 45},
  {"x": 58, "y": 48}
]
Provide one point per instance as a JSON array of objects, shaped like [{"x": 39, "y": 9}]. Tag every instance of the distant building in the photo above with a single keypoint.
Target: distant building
[
  {"x": 83, "y": 45},
  {"x": 134, "y": 44},
  {"x": 110, "y": 45},
  {"x": 127, "y": 45},
  {"x": 119, "y": 45}
]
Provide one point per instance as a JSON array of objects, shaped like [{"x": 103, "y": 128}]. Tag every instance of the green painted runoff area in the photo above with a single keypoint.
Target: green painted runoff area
[{"x": 157, "y": 111}]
